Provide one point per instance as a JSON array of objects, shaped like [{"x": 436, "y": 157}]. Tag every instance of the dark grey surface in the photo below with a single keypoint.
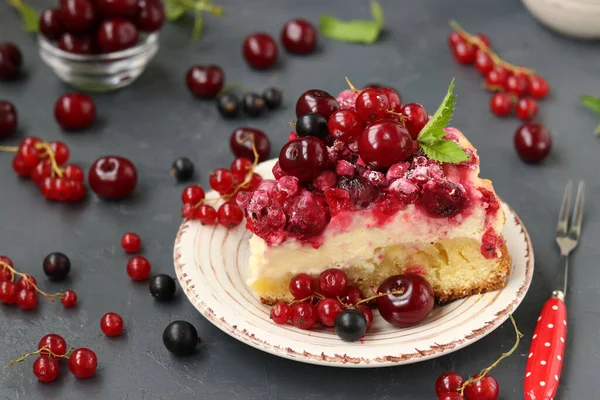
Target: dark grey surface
[{"x": 156, "y": 120}]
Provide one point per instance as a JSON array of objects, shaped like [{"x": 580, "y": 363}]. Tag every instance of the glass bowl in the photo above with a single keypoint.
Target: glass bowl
[{"x": 99, "y": 72}]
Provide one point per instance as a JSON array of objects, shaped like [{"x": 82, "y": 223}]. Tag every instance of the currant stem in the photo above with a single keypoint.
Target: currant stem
[
  {"x": 56, "y": 169},
  {"x": 351, "y": 85},
  {"x": 44, "y": 349},
  {"x": 9, "y": 149},
  {"x": 379, "y": 295},
  {"x": 485, "y": 371},
  {"x": 14, "y": 272},
  {"x": 495, "y": 57}
]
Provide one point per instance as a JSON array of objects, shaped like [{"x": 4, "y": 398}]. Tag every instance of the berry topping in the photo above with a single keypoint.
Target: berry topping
[
  {"x": 443, "y": 198},
  {"x": 312, "y": 125},
  {"x": 192, "y": 195},
  {"x": 347, "y": 99},
  {"x": 333, "y": 282},
  {"x": 394, "y": 99},
  {"x": 305, "y": 158},
  {"x": 345, "y": 125},
  {"x": 181, "y": 338},
  {"x": 307, "y": 215},
  {"x": 304, "y": 316},
  {"x": 353, "y": 296},
  {"x": 316, "y": 101},
  {"x": 260, "y": 51},
  {"x": 221, "y": 180},
  {"x": 299, "y": 36},
  {"x": 206, "y": 214},
  {"x": 371, "y": 104},
  {"x": 113, "y": 177},
  {"x": 350, "y": 325},
  {"x": 408, "y": 301},
  {"x": 415, "y": 118},
  {"x": 383, "y": 144},
  {"x": 361, "y": 192}
]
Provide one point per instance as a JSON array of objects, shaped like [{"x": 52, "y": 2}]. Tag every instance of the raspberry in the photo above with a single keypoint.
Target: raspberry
[{"x": 404, "y": 190}]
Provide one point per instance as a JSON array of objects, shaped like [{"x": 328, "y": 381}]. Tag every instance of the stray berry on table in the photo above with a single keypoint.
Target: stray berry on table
[
  {"x": 182, "y": 169},
  {"x": 181, "y": 338},
  {"x": 111, "y": 324},
  {"x": 138, "y": 268},
  {"x": 162, "y": 287},
  {"x": 131, "y": 242},
  {"x": 69, "y": 299},
  {"x": 253, "y": 104},
  {"x": 83, "y": 363},
  {"x": 228, "y": 105},
  {"x": 57, "y": 266},
  {"x": 273, "y": 97}
]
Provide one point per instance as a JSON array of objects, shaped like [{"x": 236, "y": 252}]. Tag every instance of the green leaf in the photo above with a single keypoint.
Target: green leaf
[
  {"x": 434, "y": 129},
  {"x": 28, "y": 14},
  {"x": 591, "y": 102},
  {"x": 354, "y": 31},
  {"x": 198, "y": 25},
  {"x": 377, "y": 13},
  {"x": 174, "y": 11},
  {"x": 445, "y": 151}
]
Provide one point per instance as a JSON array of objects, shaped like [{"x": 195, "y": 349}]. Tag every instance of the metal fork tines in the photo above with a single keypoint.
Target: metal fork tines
[{"x": 568, "y": 238}]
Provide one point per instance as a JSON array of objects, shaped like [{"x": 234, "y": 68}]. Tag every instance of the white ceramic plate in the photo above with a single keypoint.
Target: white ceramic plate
[{"x": 211, "y": 264}]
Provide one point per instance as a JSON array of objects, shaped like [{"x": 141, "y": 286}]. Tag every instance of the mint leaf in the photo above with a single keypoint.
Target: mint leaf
[
  {"x": 354, "y": 31},
  {"x": 591, "y": 102},
  {"x": 434, "y": 129},
  {"x": 28, "y": 14},
  {"x": 445, "y": 151},
  {"x": 174, "y": 11}
]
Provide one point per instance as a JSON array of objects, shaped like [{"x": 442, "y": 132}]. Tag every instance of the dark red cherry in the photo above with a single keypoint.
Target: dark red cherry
[
  {"x": 77, "y": 44},
  {"x": 241, "y": 145},
  {"x": 299, "y": 36},
  {"x": 8, "y": 119},
  {"x": 78, "y": 15},
  {"x": 117, "y": 8},
  {"x": 50, "y": 25},
  {"x": 260, "y": 51},
  {"x": 205, "y": 80},
  {"x": 384, "y": 144},
  {"x": 410, "y": 305},
  {"x": 151, "y": 16},
  {"x": 304, "y": 158},
  {"x": 116, "y": 34},
  {"x": 316, "y": 101},
  {"x": 11, "y": 61},
  {"x": 75, "y": 111},
  {"x": 533, "y": 142},
  {"x": 112, "y": 177},
  {"x": 443, "y": 199},
  {"x": 415, "y": 118}
]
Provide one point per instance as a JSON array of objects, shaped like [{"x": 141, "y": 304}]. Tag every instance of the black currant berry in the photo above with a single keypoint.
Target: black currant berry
[
  {"x": 228, "y": 105},
  {"x": 350, "y": 325},
  {"x": 182, "y": 169},
  {"x": 312, "y": 125},
  {"x": 180, "y": 338},
  {"x": 162, "y": 287},
  {"x": 253, "y": 105},
  {"x": 57, "y": 266},
  {"x": 272, "y": 98}
]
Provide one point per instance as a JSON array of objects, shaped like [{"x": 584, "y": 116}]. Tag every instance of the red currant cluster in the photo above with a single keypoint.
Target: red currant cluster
[
  {"x": 82, "y": 362},
  {"x": 402, "y": 300},
  {"x": 43, "y": 162},
  {"x": 518, "y": 87},
  {"x": 24, "y": 291},
  {"x": 102, "y": 26}
]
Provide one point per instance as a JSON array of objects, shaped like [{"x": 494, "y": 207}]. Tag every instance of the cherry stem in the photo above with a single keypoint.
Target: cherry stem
[
  {"x": 351, "y": 86},
  {"x": 398, "y": 292},
  {"x": 14, "y": 272},
  {"x": 9, "y": 149},
  {"x": 56, "y": 169},
  {"x": 485, "y": 371},
  {"x": 45, "y": 350},
  {"x": 311, "y": 297},
  {"x": 495, "y": 57}
]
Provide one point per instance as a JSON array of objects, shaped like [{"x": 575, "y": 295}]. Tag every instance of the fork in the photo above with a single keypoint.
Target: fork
[{"x": 546, "y": 352}]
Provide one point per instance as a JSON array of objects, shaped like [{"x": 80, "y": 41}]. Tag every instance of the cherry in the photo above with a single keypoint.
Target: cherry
[
  {"x": 368, "y": 314},
  {"x": 192, "y": 194},
  {"x": 205, "y": 80},
  {"x": 415, "y": 118},
  {"x": 206, "y": 214},
  {"x": 371, "y": 104},
  {"x": 50, "y": 25},
  {"x": 11, "y": 61},
  {"x": 501, "y": 104},
  {"x": 304, "y": 316},
  {"x": 116, "y": 34},
  {"x": 77, "y": 44},
  {"x": 241, "y": 145},
  {"x": 151, "y": 16},
  {"x": 533, "y": 142},
  {"x": 328, "y": 310},
  {"x": 538, "y": 87},
  {"x": 221, "y": 180},
  {"x": 78, "y": 16},
  {"x": 464, "y": 52},
  {"x": 483, "y": 62},
  {"x": 55, "y": 343},
  {"x": 111, "y": 324},
  {"x": 350, "y": 325},
  {"x": 305, "y": 158},
  {"x": 56, "y": 266},
  {"x": 61, "y": 152},
  {"x": 83, "y": 363},
  {"x": 345, "y": 125},
  {"x": 162, "y": 287},
  {"x": 312, "y": 125},
  {"x": 497, "y": 77},
  {"x": 316, "y": 101},
  {"x": 384, "y": 144},
  {"x": 455, "y": 38},
  {"x": 484, "y": 39},
  {"x": 45, "y": 369},
  {"x": 260, "y": 50},
  {"x": 75, "y": 111},
  {"x": 451, "y": 396},
  {"x": 26, "y": 282},
  {"x": 69, "y": 299},
  {"x": 409, "y": 307},
  {"x": 353, "y": 296},
  {"x": 443, "y": 199},
  {"x": 517, "y": 84},
  {"x": 281, "y": 313},
  {"x": 230, "y": 214},
  {"x": 112, "y": 177},
  {"x": 181, "y": 338},
  {"x": 27, "y": 299},
  {"x": 8, "y": 119},
  {"x": 333, "y": 282},
  {"x": 117, "y": 8},
  {"x": 527, "y": 108},
  {"x": 299, "y": 36},
  {"x": 302, "y": 286},
  {"x": 486, "y": 388},
  {"x": 448, "y": 382},
  {"x": 138, "y": 268},
  {"x": 8, "y": 292},
  {"x": 131, "y": 242}
]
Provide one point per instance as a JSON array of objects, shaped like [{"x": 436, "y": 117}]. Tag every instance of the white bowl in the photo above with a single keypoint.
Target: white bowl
[{"x": 575, "y": 18}]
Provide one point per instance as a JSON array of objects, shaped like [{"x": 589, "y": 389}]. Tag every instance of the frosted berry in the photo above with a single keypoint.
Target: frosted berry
[{"x": 383, "y": 144}]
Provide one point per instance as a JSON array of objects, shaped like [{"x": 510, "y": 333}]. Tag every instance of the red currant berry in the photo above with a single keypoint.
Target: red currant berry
[
  {"x": 188, "y": 211},
  {"x": 5, "y": 261},
  {"x": 205, "y": 81},
  {"x": 74, "y": 172},
  {"x": 69, "y": 299},
  {"x": 260, "y": 51},
  {"x": 8, "y": 292},
  {"x": 61, "y": 152},
  {"x": 353, "y": 296},
  {"x": 8, "y": 119},
  {"x": 192, "y": 195},
  {"x": 77, "y": 191},
  {"x": 281, "y": 313},
  {"x": 328, "y": 310},
  {"x": 131, "y": 242},
  {"x": 63, "y": 189},
  {"x": 117, "y": 8},
  {"x": 151, "y": 16},
  {"x": 299, "y": 36},
  {"x": 11, "y": 61},
  {"x": 221, "y": 180},
  {"x": 455, "y": 38},
  {"x": 486, "y": 388},
  {"x": 302, "y": 286},
  {"x": 497, "y": 77},
  {"x": 394, "y": 99},
  {"x": 368, "y": 314},
  {"x": 20, "y": 168},
  {"x": 464, "y": 52},
  {"x": 448, "y": 382},
  {"x": 55, "y": 343},
  {"x": 412, "y": 303},
  {"x": 113, "y": 177},
  {"x": 47, "y": 187},
  {"x": 305, "y": 158},
  {"x": 451, "y": 396},
  {"x": 333, "y": 282},
  {"x": 30, "y": 156},
  {"x": 483, "y": 62},
  {"x": 517, "y": 84},
  {"x": 27, "y": 299},
  {"x": 345, "y": 125},
  {"x": 483, "y": 38},
  {"x": 538, "y": 87},
  {"x": 111, "y": 324},
  {"x": 116, "y": 34},
  {"x": 75, "y": 111},
  {"x": 77, "y": 44},
  {"x": 138, "y": 268},
  {"x": 206, "y": 214},
  {"x": 254, "y": 183},
  {"x": 384, "y": 144},
  {"x": 371, "y": 104},
  {"x": 240, "y": 168},
  {"x": 415, "y": 118},
  {"x": 230, "y": 214},
  {"x": 241, "y": 140},
  {"x": 5, "y": 274},
  {"x": 501, "y": 104},
  {"x": 26, "y": 282},
  {"x": 527, "y": 108},
  {"x": 45, "y": 369},
  {"x": 78, "y": 16},
  {"x": 304, "y": 316},
  {"x": 83, "y": 363},
  {"x": 316, "y": 101},
  {"x": 533, "y": 142}
]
